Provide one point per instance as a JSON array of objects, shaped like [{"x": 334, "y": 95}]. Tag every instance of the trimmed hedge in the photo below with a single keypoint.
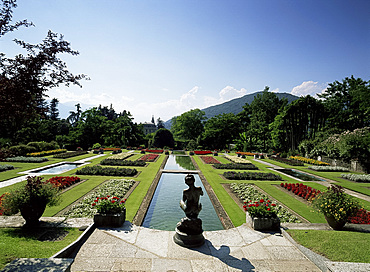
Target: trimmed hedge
[
  {"x": 106, "y": 171},
  {"x": 70, "y": 154},
  {"x": 27, "y": 159},
  {"x": 118, "y": 162},
  {"x": 251, "y": 176},
  {"x": 5, "y": 167},
  {"x": 238, "y": 166}
]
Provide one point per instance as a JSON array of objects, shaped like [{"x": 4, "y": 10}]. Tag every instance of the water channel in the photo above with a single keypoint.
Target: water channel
[
  {"x": 57, "y": 169},
  {"x": 164, "y": 211},
  {"x": 300, "y": 175}
]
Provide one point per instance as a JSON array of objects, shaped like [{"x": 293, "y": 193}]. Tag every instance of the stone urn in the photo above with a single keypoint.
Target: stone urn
[
  {"x": 257, "y": 223},
  {"x": 110, "y": 220},
  {"x": 335, "y": 224},
  {"x": 31, "y": 212}
]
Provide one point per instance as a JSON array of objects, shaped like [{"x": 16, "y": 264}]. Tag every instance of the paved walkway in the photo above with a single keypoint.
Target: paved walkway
[{"x": 134, "y": 248}]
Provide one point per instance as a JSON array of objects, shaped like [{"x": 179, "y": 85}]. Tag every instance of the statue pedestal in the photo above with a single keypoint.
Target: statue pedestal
[{"x": 189, "y": 233}]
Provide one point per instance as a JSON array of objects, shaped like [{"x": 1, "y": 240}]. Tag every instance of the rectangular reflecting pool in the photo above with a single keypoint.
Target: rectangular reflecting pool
[
  {"x": 164, "y": 211},
  {"x": 57, "y": 169},
  {"x": 297, "y": 174},
  {"x": 179, "y": 162}
]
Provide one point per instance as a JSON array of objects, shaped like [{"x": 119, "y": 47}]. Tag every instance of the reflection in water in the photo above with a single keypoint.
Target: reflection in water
[{"x": 179, "y": 163}]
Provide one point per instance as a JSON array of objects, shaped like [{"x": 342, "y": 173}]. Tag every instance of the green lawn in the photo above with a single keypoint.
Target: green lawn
[
  {"x": 341, "y": 246},
  {"x": 18, "y": 243}
]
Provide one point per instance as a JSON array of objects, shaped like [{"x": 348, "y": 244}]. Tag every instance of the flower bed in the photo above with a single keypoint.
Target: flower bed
[
  {"x": 5, "y": 167},
  {"x": 118, "y": 162},
  {"x": 202, "y": 152},
  {"x": 361, "y": 217},
  {"x": 121, "y": 156},
  {"x": 237, "y": 159},
  {"x": 251, "y": 176},
  {"x": 106, "y": 171},
  {"x": 26, "y": 159},
  {"x": 63, "y": 182},
  {"x": 112, "y": 149},
  {"x": 70, "y": 154},
  {"x": 236, "y": 166},
  {"x": 246, "y": 153},
  {"x": 116, "y": 187},
  {"x": 328, "y": 168},
  {"x": 154, "y": 150},
  {"x": 46, "y": 153},
  {"x": 287, "y": 161},
  {"x": 301, "y": 190},
  {"x": 356, "y": 177},
  {"x": 309, "y": 161},
  {"x": 148, "y": 158},
  {"x": 248, "y": 194},
  {"x": 209, "y": 160},
  {"x": 1, "y": 207}
]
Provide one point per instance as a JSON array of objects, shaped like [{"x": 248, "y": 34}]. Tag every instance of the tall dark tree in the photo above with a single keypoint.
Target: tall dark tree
[
  {"x": 189, "y": 125},
  {"x": 160, "y": 123},
  {"x": 348, "y": 103},
  {"x": 53, "y": 109},
  {"x": 163, "y": 137}
]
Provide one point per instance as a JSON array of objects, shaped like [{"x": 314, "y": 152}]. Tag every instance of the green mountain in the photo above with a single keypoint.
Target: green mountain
[{"x": 235, "y": 105}]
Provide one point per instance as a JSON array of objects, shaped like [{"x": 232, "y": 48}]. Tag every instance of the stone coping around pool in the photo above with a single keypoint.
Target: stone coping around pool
[{"x": 30, "y": 172}]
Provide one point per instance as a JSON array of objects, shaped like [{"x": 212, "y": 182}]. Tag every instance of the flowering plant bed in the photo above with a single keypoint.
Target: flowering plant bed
[
  {"x": 236, "y": 166},
  {"x": 121, "y": 156},
  {"x": 261, "y": 209},
  {"x": 26, "y": 159},
  {"x": 251, "y": 176},
  {"x": 209, "y": 160},
  {"x": 246, "y": 153},
  {"x": 63, "y": 182},
  {"x": 361, "y": 217},
  {"x": 301, "y": 190},
  {"x": 148, "y": 158},
  {"x": 202, "y": 152},
  {"x": 236, "y": 159},
  {"x": 309, "y": 161},
  {"x": 70, "y": 154},
  {"x": 5, "y": 167},
  {"x": 248, "y": 194},
  {"x": 46, "y": 153},
  {"x": 356, "y": 177},
  {"x": 154, "y": 150},
  {"x": 325, "y": 168},
  {"x": 84, "y": 207},
  {"x": 112, "y": 149},
  {"x": 288, "y": 161},
  {"x": 106, "y": 171}
]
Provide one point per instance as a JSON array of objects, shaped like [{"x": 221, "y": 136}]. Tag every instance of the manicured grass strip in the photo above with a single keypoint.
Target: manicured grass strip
[
  {"x": 15, "y": 243},
  {"x": 294, "y": 204},
  {"x": 236, "y": 215},
  {"x": 75, "y": 193},
  {"x": 146, "y": 178},
  {"x": 340, "y": 246}
]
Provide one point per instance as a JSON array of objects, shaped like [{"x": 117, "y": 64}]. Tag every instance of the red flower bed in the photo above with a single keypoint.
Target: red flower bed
[
  {"x": 154, "y": 150},
  {"x": 301, "y": 190},
  {"x": 63, "y": 182},
  {"x": 148, "y": 158},
  {"x": 361, "y": 217},
  {"x": 202, "y": 152},
  {"x": 209, "y": 160},
  {"x": 1, "y": 208},
  {"x": 246, "y": 153}
]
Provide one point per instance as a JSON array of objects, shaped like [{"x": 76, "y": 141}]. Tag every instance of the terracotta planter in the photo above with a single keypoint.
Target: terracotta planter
[
  {"x": 32, "y": 212},
  {"x": 334, "y": 224},
  {"x": 110, "y": 220},
  {"x": 263, "y": 223}
]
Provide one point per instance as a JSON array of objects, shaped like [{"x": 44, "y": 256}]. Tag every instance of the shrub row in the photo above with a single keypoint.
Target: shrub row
[
  {"x": 5, "y": 167},
  {"x": 63, "y": 182},
  {"x": 301, "y": 190},
  {"x": 26, "y": 159},
  {"x": 288, "y": 161},
  {"x": 118, "y": 162},
  {"x": 236, "y": 166},
  {"x": 251, "y": 176},
  {"x": 328, "y": 168},
  {"x": 46, "y": 153},
  {"x": 69, "y": 154},
  {"x": 356, "y": 177},
  {"x": 106, "y": 171}
]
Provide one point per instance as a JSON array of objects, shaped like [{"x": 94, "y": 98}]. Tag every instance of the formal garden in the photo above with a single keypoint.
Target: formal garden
[{"x": 251, "y": 182}]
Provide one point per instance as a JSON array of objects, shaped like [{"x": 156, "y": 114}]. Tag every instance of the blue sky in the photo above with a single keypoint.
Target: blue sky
[{"x": 163, "y": 58}]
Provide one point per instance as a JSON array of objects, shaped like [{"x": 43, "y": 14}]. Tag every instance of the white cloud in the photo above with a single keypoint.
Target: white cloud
[{"x": 309, "y": 88}]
